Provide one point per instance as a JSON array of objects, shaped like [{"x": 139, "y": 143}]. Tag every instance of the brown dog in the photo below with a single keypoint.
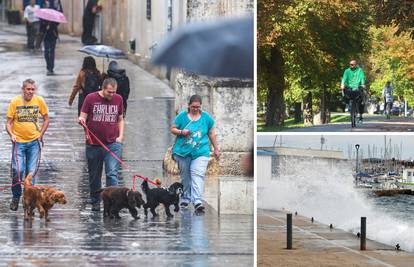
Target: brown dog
[
  {"x": 51, "y": 196},
  {"x": 32, "y": 198},
  {"x": 41, "y": 197},
  {"x": 116, "y": 198}
]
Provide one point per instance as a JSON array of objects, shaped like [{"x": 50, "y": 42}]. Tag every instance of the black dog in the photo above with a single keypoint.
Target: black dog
[
  {"x": 167, "y": 197},
  {"x": 116, "y": 198}
]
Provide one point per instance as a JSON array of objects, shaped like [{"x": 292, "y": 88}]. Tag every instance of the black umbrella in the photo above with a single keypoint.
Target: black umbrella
[{"x": 221, "y": 48}]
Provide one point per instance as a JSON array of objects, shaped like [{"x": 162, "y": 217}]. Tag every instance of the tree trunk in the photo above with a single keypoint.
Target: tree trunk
[
  {"x": 272, "y": 69},
  {"x": 307, "y": 109},
  {"x": 298, "y": 112},
  {"x": 323, "y": 105}
]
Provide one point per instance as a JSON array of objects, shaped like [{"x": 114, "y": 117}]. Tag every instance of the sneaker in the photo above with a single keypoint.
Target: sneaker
[
  {"x": 50, "y": 73},
  {"x": 183, "y": 205},
  {"x": 199, "y": 207},
  {"x": 96, "y": 206},
  {"x": 14, "y": 204}
]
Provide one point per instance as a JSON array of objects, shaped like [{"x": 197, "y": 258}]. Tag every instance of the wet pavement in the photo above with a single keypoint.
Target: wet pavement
[
  {"x": 76, "y": 236},
  {"x": 315, "y": 245}
]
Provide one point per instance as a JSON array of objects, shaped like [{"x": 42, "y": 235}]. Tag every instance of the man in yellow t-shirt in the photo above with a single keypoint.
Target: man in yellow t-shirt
[{"x": 26, "y": 134}]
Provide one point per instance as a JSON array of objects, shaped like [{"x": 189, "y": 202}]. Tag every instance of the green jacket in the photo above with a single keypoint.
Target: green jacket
[{"x": 353, "y": 78}]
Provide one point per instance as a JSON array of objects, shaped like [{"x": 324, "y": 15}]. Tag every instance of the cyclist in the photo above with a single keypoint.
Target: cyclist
[
  {"x": 352, "y": 85},
  {"x": 388, "y": 99}
]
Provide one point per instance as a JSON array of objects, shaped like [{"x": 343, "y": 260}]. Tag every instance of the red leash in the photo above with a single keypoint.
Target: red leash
[
  {"x": 19, "y": 180},
  {"x": 89, "y": 132}
]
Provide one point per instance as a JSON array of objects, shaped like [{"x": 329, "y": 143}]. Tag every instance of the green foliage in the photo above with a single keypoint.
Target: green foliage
[
  {"x": 317, "y": 39},
  {"x": 392, "y": 59},
  {"x": 398, "y": 13}
]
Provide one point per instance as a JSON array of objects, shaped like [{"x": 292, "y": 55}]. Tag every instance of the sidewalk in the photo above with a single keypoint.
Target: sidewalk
[{"x": 315, "y": 245}]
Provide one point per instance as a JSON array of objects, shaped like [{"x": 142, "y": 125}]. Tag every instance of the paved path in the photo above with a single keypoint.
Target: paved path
[
  {"x": 76, "y": 236},
  {"x": 371, "y": 123},
  {"x": 314, "y": 244}
]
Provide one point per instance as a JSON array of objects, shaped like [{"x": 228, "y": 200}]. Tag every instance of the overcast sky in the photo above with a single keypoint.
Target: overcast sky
[{"x": 342, "y": 142}]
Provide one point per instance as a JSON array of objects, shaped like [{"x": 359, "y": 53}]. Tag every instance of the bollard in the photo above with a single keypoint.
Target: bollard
[
  {"x": 363, "y": 233},
  {"x": 289, "y": 230}
]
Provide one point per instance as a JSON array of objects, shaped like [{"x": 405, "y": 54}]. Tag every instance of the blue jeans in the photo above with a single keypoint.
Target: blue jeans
[
  {"x": 192, "y": 172},
  {"x": 97, "y": 156},
  {"x": 50, "y": 46},
  {"x": 27, "y": 156}
]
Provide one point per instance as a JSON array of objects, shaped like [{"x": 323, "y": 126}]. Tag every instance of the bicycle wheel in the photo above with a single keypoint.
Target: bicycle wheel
[{"x": 352, "y": 104}]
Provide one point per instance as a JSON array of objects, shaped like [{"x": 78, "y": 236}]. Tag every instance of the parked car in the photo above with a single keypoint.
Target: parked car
[{"x": 395, "y": 111}]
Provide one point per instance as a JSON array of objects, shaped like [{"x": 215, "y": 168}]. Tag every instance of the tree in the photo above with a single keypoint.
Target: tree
[
  {"x": 392, "y": 59},
  {"x": 398, "y": 13},
  {"x": 307, "y": 43}
]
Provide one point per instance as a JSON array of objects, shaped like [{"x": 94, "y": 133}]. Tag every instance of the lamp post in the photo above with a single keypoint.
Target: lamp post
[{"x": 356, "y": 167}]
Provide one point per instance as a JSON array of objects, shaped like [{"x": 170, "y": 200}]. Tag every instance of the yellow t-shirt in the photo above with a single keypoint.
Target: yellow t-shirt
[{"x": 26, "y": 117}]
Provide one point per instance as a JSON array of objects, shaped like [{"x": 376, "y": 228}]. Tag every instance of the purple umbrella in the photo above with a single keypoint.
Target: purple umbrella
[{"x": 50, "y": 15}]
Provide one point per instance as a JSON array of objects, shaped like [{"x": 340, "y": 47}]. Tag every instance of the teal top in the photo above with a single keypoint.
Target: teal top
[
  {"x": 353, "y": 78},
  {"x": 196, "y": 144}
]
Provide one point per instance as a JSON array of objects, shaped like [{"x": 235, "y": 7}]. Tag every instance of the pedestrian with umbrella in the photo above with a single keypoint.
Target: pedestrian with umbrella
[
  {"x": 89, "y": 80},
  {"x": 51, "y": 15},
  {"x": 103, "y": 51}
]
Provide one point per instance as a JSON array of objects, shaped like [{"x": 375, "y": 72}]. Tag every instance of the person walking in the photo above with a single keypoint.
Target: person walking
[
  {"x": 102, "y": 113},
  {"x": 32, "y": 24},
  {"x": 88, "y": 20},
  {"x": 88, "y": 81},
  {"x": 23, "y": 127},
  {"x": 387, "y": 92},
  {"x": 122, "y": 80},
  {"x": 50, "y": 34},
  {"x": 195, "y": 131}
]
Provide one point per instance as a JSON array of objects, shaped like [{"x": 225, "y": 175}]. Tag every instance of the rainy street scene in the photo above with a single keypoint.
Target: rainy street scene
[{"x": 184, "y": 127}]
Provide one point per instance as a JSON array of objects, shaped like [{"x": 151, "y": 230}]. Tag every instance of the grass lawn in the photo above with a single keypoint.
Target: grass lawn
[{"x": 290, "y": 123}]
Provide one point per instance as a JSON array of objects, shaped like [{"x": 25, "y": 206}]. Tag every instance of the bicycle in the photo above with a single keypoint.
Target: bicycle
[{"x": 354, "y": 97}]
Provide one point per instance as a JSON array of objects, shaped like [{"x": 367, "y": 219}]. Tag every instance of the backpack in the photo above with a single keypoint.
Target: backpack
[
  {"x": 92, "y": 82},
  {"x": 123, "y": 87}
]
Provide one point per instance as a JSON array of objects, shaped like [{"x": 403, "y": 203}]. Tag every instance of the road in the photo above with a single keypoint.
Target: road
[{"x": 371, "y": 123}]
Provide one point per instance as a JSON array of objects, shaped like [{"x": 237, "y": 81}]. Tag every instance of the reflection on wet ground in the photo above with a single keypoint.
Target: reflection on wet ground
[{"x": 76, "y": 236}]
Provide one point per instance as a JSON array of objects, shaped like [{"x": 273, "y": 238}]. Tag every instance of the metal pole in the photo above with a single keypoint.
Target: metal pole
[
  {"x": 363, "y": 233},
  {"x": 356, "y": 167},
  {"x": 289, "y": 230}
]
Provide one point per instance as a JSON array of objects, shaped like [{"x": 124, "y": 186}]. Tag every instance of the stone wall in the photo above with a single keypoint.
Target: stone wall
[{"x": 229, "y": 101}]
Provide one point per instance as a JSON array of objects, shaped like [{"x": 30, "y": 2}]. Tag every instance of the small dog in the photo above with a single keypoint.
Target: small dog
[
  {"x": 51, "y": 196},
  {"x": 41, "y": 197},
  {"x": 116, "y": 198},
  {"x": 167, "y": 197},
  {"x": 32, "y": 198}
]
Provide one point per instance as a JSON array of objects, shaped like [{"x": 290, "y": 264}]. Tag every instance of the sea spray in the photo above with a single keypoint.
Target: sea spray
[{"x": 324, "y": 189}]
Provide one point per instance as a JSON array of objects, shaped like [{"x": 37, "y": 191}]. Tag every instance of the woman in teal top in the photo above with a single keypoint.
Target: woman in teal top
[{"x": 194, "y": 129}]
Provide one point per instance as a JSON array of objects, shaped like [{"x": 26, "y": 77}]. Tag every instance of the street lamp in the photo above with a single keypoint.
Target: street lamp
[{"x": 356, "y": 167}]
